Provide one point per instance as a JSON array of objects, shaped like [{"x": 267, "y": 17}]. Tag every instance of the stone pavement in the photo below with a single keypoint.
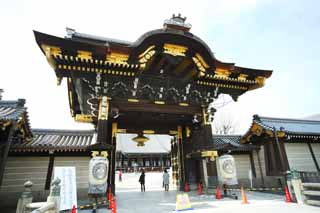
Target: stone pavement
[{"x": 155, "y": 199}]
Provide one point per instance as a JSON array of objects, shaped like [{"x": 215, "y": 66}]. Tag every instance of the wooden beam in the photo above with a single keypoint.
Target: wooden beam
[
  {"x": 157, "y": 108},
  {"x": 6, "y": 150},
  {"x": 313, "y": 157},
  {"x": 49, "y": 171},
  {"x": 260, "y": 168}
]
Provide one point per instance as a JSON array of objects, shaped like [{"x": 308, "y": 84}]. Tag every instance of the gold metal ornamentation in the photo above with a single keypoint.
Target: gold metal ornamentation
[
  {"x": 84, "y": 118},
  {"x": 118, "y": 58},
  {"x": 242, "y": 77},
  {"x": 114, "y": 129},
  {"x": 222, "y": 73},
  {"x": 133, "y": 100},
  {"x": 188, "y": 132},
  {"x": 104, "y": 108},
  {"x": 104, "y": 154},
  {"x": 148, "y": 131},
  {"x": 179, "y": 135},
  {"x": 159, "y": 102},
  {"x": 175, "y": 50},
  {"x": 85, "y": 55}
]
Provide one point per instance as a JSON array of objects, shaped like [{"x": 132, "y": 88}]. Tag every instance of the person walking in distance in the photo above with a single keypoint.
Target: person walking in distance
[
  {"x": 165, "y": 178},
  {"x": 120, "y": 176},
  {"x": 142, "y": 181}
]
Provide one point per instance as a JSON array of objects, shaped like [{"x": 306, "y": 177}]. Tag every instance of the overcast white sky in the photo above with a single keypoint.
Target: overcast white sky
[{"x": 280, "y": 35}]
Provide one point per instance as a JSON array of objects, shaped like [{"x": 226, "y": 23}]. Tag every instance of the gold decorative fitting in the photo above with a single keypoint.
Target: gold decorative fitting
[
  {"x": 114, "y": 129},
  {"x": 84, "y": 118},
  {"x": 51, "y": 51},
  {"x": 140, "y": 139},
  {"x": 211, "y": 154},
  {"x": 121, "y": 130},
  {"x": 173, "y": 132},
  {"x": 117, "y": 58},
  {"x": 183, "y": 104},
  {"x": 222, "y": 73},
  {"x": 179, "y": 135},
  {"x": 242, "y": 77},
  {"x": 85, "y": 55},
  {"x": 59, "y": 81},
  {"x": 104, "y": 154},
  {"x": 175, "y": 50},
  {"x": 104, "y": 108},
  {"x": 260, "y": 80},
  {"x": 147, "y": 51},
  {"x": 133, "y": 100},
  {"x": 94, "y": 153},
  {"x": 188, "y": 132},
  {"x": 148, "y": 131},
  {"x": 159, "y": 102}
]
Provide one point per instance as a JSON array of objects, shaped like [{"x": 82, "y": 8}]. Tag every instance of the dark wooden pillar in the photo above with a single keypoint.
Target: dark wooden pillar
[
  {"x": 50, "y": 170},
  {"x": 181, "y": 158},
  {"x": 313, "y": 157},
  {"x": 253, "y": 168},
  {"x": 282, "y": 162},
  {"x": 260, "y": 168},
  {"x": 113, "y": 156},
  {"x": 6, "y": 150}
]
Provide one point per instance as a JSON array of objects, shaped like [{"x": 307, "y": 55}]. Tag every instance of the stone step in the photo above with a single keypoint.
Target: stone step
[
  {"x": 311, "y": 185},
  {"x": 311, "y": 192},
  {"x": 313, "y": 202}
]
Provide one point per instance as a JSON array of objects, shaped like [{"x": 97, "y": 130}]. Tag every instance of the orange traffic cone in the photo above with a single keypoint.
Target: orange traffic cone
[
  {"x": 199, "y": 189},
  {"x": 109, "y": 195},
  {"x": 288, "y": 197},
  {"x": 218, "y": 193},
  {"x": 244, "y": 196},
  {"x": 114, "y": 209},
  {"x": 74, "y": 210},
  {"x": 111, "y": 204},
  {"x": 186, "y": 187}
]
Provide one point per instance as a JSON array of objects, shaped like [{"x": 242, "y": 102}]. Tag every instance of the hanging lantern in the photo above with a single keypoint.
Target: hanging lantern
[{"x": 140, "y": 139}]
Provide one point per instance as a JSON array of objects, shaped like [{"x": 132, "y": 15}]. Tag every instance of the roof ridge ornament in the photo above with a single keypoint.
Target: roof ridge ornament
[{"x": 177, "y": 22}]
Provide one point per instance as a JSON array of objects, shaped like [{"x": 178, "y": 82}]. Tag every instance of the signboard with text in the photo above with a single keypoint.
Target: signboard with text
[{"x": 68, "y": 192}]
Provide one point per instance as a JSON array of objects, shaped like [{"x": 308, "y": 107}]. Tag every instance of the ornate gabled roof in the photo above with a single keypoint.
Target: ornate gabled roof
[
  {"x": 230, "y": 142},
  {"x": 45, "y": 140},
  {"x": 15, "y": 111},
  {"x": 284, "y": 127},
  {"x": 170, "y": 67}
]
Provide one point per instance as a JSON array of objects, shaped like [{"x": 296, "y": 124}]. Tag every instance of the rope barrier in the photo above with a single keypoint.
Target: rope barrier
[
  {"x": 256, "y": 189},
  {"x": 91, "y": 205}
]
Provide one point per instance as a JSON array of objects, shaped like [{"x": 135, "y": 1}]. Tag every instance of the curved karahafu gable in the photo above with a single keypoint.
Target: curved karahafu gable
[
  {"x": 290, "y": 129},
  {"x": 168, "y": 66}
]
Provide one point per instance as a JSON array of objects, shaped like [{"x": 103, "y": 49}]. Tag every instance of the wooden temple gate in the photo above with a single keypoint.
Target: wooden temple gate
[{"x": 163, "y": 83}]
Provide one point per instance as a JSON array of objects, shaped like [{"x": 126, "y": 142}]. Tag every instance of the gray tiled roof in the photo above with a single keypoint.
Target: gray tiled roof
[
  {"x": 79, "y": 140},
  {"x": 289, "y": 126},
  {"x": 230, "y": 142},
  {"x": 58, "y": 140},
  {"x": 11, "y": 110}
]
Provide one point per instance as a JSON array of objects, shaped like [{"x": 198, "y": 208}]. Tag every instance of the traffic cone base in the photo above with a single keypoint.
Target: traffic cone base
[
  {"x": 287, "y": 194},
  {"x": 74, "y": 210},
  {"x": 244, "y": 196},
  {"x": 186, "y": 187},
  {"x": 218, "y": 193},
  {"x": 199, "y": 189}
]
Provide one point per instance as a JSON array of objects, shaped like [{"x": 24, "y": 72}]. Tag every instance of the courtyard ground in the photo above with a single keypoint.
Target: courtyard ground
[{"x": 155, "y": 199}]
